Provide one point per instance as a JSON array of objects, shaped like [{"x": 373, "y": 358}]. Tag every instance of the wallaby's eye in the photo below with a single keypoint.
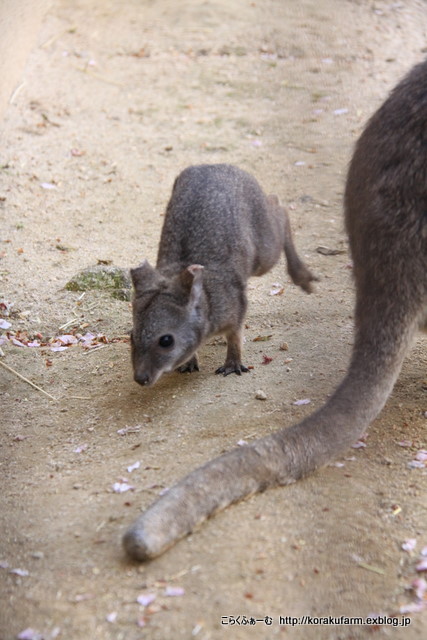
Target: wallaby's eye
[{"x": 166, "y": 341}]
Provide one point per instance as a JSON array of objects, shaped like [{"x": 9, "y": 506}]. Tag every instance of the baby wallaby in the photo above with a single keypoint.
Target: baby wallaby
[
  {"x": 386, "y": 220},
  {"x": 219, "y": 229}
]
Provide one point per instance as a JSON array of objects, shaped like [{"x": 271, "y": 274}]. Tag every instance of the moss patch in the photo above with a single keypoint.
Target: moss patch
[{"x": 115, "y": 280}]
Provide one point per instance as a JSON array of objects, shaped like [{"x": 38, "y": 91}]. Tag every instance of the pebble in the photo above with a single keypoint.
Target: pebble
[{"x": 261, "y": 395}]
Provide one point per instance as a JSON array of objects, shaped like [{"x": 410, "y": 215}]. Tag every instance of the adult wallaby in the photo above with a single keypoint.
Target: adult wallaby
[
  {"x": 386, "y": 220},
  {"x": 219, "y": 230}
]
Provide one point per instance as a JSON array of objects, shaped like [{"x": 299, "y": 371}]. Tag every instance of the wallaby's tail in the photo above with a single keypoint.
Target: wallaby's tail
[
  {"x": 298, "y": 271},
  {"x": 288, "y": 454}
]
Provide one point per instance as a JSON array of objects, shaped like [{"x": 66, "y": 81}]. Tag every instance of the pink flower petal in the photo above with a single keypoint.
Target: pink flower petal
[
  {"x": 29, "y": 634},
  {"x": 419, "y": 586},
  {"x": 413, "y": 607},
  {"x": 17, "y": 343},
  {"x": 358, "y": 445},
  {"x": 67, "y": 339},
  {"x": 174, "y": 591},
  {"x": 122, "y": 487},
  {"x": 298, "y": 403},
  {"x": 416, "y": 464},
  {"x": 111, "y": 617},
  {"x": 19, "y": 572},
  {"x": 422, "y": 566},
  {"x": 409, "y": 544},
  {"x": 146, "y": 598}
]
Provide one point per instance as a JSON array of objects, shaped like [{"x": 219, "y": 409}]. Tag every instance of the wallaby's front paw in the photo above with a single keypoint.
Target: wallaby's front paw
[
  {"x": 232, "y": 367},
  {"x": 189, "y": 366}
]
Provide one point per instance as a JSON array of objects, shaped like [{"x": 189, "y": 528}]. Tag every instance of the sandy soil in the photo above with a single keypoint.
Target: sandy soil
[{"x": 117, "y": 98}]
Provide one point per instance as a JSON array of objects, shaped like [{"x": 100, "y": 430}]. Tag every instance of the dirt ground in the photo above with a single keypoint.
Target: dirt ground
[{"x": 116, "y": 99}]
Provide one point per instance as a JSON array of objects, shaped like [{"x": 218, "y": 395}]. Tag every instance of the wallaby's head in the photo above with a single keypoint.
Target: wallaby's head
[{"x": 168, "y": 320}]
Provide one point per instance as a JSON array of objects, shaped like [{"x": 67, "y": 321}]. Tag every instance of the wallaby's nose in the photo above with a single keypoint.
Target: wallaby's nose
[{"x": 142, "y": 378}]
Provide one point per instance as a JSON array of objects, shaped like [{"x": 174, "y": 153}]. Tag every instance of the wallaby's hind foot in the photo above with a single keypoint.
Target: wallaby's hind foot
[
  {"x": 232, "y": 367},
  {"x": 233, "y": 360}
]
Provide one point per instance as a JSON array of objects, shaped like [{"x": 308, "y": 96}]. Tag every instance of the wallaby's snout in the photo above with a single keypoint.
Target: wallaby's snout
[{"x": 141, "y": 378}]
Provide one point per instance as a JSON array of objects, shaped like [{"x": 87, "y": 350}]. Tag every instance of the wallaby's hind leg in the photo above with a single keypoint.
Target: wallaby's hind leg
[{"x": 233, "y": 360}]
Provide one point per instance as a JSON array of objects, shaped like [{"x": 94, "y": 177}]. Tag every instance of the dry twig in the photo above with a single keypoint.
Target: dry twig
[{"x": 26, "y": 380}]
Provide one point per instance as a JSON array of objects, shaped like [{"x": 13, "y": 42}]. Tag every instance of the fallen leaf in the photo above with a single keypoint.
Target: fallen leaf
[
  {"x": 326, "y": 251},
  {"x": 262, "y": 338}
]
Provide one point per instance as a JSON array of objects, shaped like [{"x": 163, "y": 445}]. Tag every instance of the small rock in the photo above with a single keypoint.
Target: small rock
[{"x": 261, "y": 395}]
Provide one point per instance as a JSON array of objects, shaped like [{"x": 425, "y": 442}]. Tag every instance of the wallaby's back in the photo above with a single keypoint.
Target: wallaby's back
[{"x": 219, "y": 217}]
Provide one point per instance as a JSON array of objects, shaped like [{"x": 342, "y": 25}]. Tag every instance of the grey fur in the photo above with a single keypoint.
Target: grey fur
[
  {"x": 386, "y": 220},
  {"x": 219, "y": 230}
]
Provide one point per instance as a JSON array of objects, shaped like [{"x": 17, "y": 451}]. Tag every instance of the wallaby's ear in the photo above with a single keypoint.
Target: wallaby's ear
[
  {"x": 192, "y": 281},
  {"x": 144, "y": 277}
]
